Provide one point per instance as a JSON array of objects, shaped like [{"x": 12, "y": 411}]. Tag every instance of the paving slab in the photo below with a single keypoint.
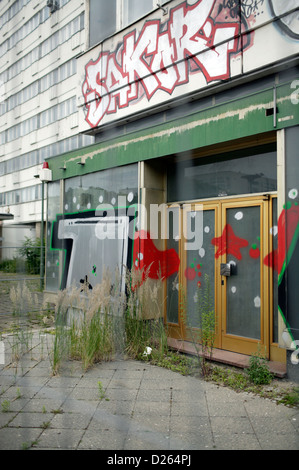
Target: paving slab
[{"x": 126, "y": 405}]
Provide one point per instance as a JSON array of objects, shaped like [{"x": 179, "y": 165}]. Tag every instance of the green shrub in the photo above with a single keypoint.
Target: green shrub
[
  {"x": 258, "y": 370},
  {"x": 30, "y": 251}
]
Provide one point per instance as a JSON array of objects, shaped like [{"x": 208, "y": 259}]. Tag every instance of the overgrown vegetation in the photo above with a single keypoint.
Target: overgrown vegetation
[
  {"x": 203, "y": 329},
  {"x": 239, "y": 380},
  {"x": 258, "y": 370},
  {"x": 96, "y": 325},
  {"x": 31, "y": 252},
  {"x": 26, "y": 260}
]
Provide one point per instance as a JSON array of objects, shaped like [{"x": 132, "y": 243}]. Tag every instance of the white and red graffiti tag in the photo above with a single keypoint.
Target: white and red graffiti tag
[{"x": 161, "y": 57}]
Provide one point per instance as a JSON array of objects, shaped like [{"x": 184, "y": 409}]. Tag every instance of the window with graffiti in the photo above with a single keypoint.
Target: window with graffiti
[{"x": 94, "y": 229}]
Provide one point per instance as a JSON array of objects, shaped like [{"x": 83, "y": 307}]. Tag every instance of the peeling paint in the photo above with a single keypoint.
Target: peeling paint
[
  {"x": 286, "y": 118},
  {"x": 208, "y": 126},
  {"x": 167, "y": 133}
]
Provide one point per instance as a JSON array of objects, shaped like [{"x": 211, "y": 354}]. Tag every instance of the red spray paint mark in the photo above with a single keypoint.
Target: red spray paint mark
[
  {"x": 271, "y": 260},
  {"x": 229, "y": 243},
  {"x": 156, "y": 264},
  {"x": 190, "y": 274},
  {"x": 254, "y": 251}
]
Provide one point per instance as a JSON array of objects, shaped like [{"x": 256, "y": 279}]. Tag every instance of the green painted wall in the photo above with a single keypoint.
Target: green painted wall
[{"x": 227, "y": 121}]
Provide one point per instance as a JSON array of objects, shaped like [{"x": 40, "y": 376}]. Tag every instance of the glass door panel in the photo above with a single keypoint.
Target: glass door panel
[
  {"x": 243, "y": 296},
  {"x": 199, "y": 269},
  {"x": 223, "y": 251},
  {"x": 172, "y": 282}
]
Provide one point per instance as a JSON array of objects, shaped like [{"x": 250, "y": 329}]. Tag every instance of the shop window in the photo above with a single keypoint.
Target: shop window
[
  {"x": 103, "y": 188},
  {"x": 243, "y": 172},
  {"x": 86, "y": 199}
]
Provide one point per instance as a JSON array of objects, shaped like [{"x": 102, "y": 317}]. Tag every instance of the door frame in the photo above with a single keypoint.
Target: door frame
[
  {"x": 237, "y": 343},
  {"x": 223, "y": 340}
]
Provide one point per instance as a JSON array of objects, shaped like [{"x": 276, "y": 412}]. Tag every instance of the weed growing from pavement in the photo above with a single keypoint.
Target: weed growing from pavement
[
  {"x": 202, "y": 331},
  {"x": 93, "y": 326},
  {"x": 258, "y": 370},
  {"x": 106, "y": 322},
  {"x": 5, "y": 406}
]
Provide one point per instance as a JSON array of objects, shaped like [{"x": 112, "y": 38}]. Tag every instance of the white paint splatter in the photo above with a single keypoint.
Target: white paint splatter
[
  {"x": 257, "y": 301},
  {"x": 130, "y": 197},
  {"x": 239, "y": 215},
  {"x": 202, "y": 252},
  {"x": 207, "y": 229},
  {"x": 234, "y": 289},
  {"x": 293, "y": 193}
]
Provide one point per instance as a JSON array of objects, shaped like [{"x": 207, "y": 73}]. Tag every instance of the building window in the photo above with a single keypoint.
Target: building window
[
  {"x": 38, "y": 156},
  {"x": 25, "y": 30},
  {"x": 106, "y": 18},
  {"x": 44, "y": 48},
  {"x": 12, "y": 11},
  {"x": 245, "y": 171}
]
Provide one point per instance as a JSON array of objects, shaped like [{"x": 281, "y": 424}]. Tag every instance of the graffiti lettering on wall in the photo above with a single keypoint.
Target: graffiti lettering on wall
[
  {"x": 284, "y": 260},
  {"x": 287, "y": 228},
  {"x": 196, "y": 39},
  {"x": 87, "y": 252},
  {"x": 93, "y": 243},
  {"x": 288, "y": 24}
]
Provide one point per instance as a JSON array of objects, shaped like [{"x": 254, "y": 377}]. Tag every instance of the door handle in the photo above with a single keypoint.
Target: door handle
[{"x": 225, "y": 269}]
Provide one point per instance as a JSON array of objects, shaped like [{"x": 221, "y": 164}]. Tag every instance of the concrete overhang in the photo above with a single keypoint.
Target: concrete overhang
[{"x": 4, "y": 216}]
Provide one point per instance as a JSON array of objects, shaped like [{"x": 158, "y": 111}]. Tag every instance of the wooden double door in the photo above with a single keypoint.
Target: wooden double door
[{"x": 223, "y": 248}]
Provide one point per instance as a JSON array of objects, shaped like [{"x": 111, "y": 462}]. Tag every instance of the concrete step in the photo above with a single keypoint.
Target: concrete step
[{"x": 227, "y": 357}]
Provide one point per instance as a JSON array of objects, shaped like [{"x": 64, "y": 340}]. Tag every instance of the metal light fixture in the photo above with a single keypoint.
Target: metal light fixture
[{"x": 45, "y": 175}]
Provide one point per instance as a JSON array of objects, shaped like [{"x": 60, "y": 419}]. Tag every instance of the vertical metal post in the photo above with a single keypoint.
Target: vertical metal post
[
  {"x": 42, "y": 264},
  {"x": 274, "y": 106}
]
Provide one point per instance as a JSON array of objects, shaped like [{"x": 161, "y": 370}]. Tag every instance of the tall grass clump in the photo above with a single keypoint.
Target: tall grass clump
[
  {"x": 87, "y": 323},
  {"x": 93, "y": 325},
  {"x": 24, "y": 300},
  {"x": 203, "y": 331},
  {"x": 144, "y": 325}
]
